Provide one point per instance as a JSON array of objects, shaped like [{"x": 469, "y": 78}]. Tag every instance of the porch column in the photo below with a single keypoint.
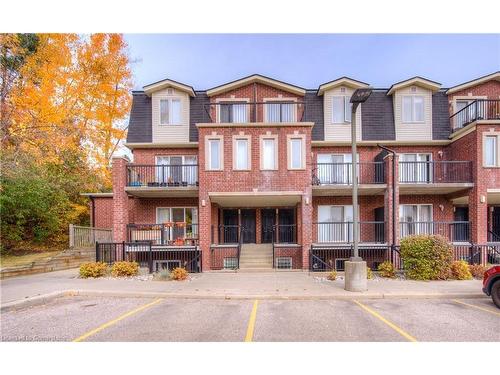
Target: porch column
[
  {"x": 205, "y": 230},
  {"x": 478, "y": 214},
  {"x": 391, "y": 200},
  {"x": 306, "y": 216},
  {"x": 120, "y": 198}
]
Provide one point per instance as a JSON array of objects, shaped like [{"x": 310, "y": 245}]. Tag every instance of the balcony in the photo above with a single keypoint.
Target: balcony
[
  {"x": 481, "y": 109},
  {"x": 372, "y": 232},
  {"x": 241, "y": 112},
  {"x": 434, "y": 177},
  {"x": 166, "y": 234},
  {"x": 335, "y": 179},
  {"x": 162, "y": 180},
  {"x": 453, "y": 231}
]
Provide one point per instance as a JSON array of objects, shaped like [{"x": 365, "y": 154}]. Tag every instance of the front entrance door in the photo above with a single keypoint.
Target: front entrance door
[
  {"x": 248, "y": 225},
  {"x": 268, "y": 221},
  {"x": 229, "y": 230},
  {"x": 495, "y": 225},
  {"x": 287, "y": 228},
  {"x": 461, "y": 228}
]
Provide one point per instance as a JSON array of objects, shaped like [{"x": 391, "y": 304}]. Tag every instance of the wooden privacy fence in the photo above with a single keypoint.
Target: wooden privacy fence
[{"x": 88, "y": 236}]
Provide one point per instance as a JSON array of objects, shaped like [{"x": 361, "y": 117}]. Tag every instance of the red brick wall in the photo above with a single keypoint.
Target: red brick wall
[
  {"x": 490, "y": 89},
  {"x": 147, "y": 155},
  {"x": 145, "y": 208},
  {"x": 103, "y": 208},
  {"x": 295, "y": 252}
]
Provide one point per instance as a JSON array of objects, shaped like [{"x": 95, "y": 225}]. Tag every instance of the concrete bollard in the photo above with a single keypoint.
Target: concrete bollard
[{"x": 355, "y": 276}]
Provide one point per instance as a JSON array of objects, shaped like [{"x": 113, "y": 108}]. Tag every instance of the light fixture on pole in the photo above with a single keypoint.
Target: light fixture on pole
[{"x": 355, "y": 268}]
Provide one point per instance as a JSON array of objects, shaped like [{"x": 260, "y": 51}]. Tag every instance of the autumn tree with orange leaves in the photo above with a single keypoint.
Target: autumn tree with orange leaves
[{"x": 63, "y": 105}]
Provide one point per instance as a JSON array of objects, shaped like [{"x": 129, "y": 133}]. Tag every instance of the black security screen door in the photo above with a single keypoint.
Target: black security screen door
[
  {"x": 248, "y": 225},
  {"x": 495, "y": 224},
  {"x": 461, "y": 230},
  {"x": 287, "y": 225},
  {"x": 268, "y": 218},
  {"x": 229, "y": 231}
]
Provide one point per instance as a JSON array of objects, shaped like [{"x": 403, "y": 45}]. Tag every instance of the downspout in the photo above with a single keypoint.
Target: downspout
[
  {"x": 93, "y": 211},
  {"x": 393, "y": 190}
]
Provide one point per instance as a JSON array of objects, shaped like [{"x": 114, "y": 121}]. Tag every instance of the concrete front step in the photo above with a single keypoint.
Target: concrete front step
[{"x": 256, "y": 269}]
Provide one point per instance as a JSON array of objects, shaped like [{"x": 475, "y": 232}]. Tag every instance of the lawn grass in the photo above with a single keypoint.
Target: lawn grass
[{"x": 20, "y": 260}]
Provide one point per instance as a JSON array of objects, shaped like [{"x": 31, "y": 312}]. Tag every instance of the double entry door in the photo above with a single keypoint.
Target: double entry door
[
  {"x": 284, "y": 231},
  {"x": 230, "y": 228}
]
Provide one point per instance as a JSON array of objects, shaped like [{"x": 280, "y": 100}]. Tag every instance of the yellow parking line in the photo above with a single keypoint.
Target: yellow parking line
[
  {"x": 251, "y": 322},
  {"x": 384, "y": 320},
  {"x": 476, "y": 307},
  {"x": 114, "y": 321}
]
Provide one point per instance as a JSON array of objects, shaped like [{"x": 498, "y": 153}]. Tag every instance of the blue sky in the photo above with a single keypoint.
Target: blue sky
[{"x": 307, "y": 60}]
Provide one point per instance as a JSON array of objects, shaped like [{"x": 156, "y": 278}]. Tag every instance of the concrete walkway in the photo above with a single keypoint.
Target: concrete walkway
[{"x": 272, "y": 285}]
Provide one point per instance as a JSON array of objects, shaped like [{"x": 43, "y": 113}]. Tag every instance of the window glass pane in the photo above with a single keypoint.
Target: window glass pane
[
  {"x": 407, "y": 109},
  {"x": 272, "y": 112},
  {"x": 296, "y": 152},
  {"x": 268, "y": 154},
  {"x": 287, "y": 112},
  {"x": 214, "y": 154},
  {"x": 241, "y": 154},
  {"x": 225, "y": 113},
  {"x": 347, "y": 108},
  {"x": 491, "y": 151},
  {"x": 164, "y": 111},
  {"x": 176, "y": 112},
  {"x": 163, "y": 215},
  {"x": 418, "y": 108},
  {"x": 239, "y": 113},
  {"x": 338, "y": 109}
]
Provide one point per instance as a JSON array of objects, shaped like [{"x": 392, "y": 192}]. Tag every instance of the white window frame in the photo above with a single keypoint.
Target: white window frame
[
  {"x": 420, "y": 176},
  {"x": 496, "y": 147},
  {"x": 169, "y": 104},
  {"x": 413, "y": 119},
  {"x": 418, "y": 229},
  {"x": 332, "y": 234},
  {"x": 233, "y": 101},
  {"x": 186, "y": 176},
  {"x": 292, "y": 101},
  {"x": 274, "y": 138},
  {"x": 248, "y": 139},
  {"x": 208, "y": 151},
  {"x": 346, "y": 108},
  {"x": 171, "y": 229},
  {"x": 290, "y": 139}
]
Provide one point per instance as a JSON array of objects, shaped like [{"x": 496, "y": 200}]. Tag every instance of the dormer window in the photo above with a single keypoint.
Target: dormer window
[
  {"x": 341, "y": 110},
  {"x": 170, "y": 111},
  {"x": 413, "y": 108}
]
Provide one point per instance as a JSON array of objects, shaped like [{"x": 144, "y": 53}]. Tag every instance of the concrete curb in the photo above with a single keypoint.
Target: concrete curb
[{"x": 45, "y": 298}]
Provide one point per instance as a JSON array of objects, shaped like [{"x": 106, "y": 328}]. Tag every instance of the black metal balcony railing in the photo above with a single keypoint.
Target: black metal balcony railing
[
  {"x": 285, "y": 233},
  {"x": 173, "y": 233},
  {"x": 454, "y": 231},
  {"x": 428, "y": 172},
  {"x": 162, "y": 175},
  {"x": 481, "y": 109},
  {"x": 239, "y": 112},
  {"x": 341, "y": 173},
  {"x": 341, "y": 232}
]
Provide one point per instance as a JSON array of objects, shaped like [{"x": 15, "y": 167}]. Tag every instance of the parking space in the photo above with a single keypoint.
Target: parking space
[{"x": 145, "y": 319}]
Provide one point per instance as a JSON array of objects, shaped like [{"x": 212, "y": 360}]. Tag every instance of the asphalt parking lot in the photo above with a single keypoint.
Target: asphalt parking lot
[{"x": 144, "y": 319}]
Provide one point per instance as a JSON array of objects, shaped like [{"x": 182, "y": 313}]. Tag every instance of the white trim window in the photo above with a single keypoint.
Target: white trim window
[
  {"x": 335, "y": 169},
  {"x": 181, "y": 169},
  {"x": 296, "y": 153},
  {"x": 214, "y": 154},
  {"x": 415, "y": 219},
  {"x": 341, "y": 109},
  {"x": 491, "y": 151},
  {"x": 412, "y": 108},
  {"x": 233, "y": 112},
  {"x": 241, "y": 154},
  {"x": 415, "y": 168},
  {"x": 268, "y": 154},
  {"x": 170, "y": 111},
  {"x": 186, "y": 215},
  {"x": 279, "y": 112},
  {"x": 335, "y": 223}
]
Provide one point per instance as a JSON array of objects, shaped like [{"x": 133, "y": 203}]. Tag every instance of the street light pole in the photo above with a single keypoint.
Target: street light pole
[{"x": 355, "y": 267}]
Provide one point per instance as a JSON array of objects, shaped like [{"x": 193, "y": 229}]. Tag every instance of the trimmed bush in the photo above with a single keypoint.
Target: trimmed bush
[
  {"x": 369, "y": 273},
  {"x": 386, "y": 269},
  {"x": 93, "y": 269},
  {"x": 426, "y": 257},
  {"x": 162, "y": 275},
  {"x": 332, "y": 276},
  {"x": 477, "y": 270},
  {"x": 179, "y": 274},
  {"x": 125, "y": 269},
  {"x": 460, "y": 270}
]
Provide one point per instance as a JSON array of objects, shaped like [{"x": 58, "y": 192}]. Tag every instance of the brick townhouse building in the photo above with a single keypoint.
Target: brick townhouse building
[{"x": 256, "y": 173}]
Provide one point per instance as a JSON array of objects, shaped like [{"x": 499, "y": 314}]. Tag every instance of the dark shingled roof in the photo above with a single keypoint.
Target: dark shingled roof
[
  {"x": 140, "y": 123},
  {"x": 197, "y": 113},
  {"x": 377, "y": 117},
  {"x": 440, "y": 116},
  {"x": 314, "y": 113}
]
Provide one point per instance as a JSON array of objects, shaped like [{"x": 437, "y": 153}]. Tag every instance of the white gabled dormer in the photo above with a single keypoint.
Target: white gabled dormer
[
  {"x": 412, "y": 101},
  {"x": 170, "y": 111},
  {"x": 337, "y": 108}
]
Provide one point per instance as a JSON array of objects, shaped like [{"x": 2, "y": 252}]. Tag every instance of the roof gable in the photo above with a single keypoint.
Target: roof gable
[
  {"x": 490, "y": 77},
  {"x": 342, "y": 81},
  {"x": 415, "y": 81},
  {"x": 160, "y": 85},
  {"x": 256, "y": 78}
]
